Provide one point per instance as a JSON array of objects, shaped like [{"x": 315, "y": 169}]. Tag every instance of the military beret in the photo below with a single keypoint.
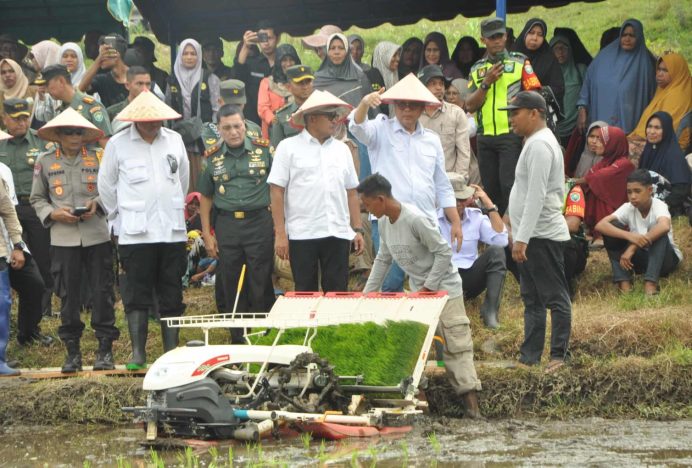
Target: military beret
[
  {"x": 16, "y": 107},
  {"x": 298, "y": 73},
  {"x": 232, "y": 92}
]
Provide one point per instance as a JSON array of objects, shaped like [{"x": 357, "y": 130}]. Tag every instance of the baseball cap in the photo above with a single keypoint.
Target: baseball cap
[
  {"x": 298, "y": 73},
  {"x": 526, "y": 100},
  {"x": 16, "y": 107},
  {"x": 429, "y": 72},
  {"x": 492, "y": 26},
  {"x": 232, "y": 92}
]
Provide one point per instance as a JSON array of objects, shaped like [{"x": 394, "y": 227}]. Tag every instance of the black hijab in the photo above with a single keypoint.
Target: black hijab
[
  {"x": 543, "y": 60},
  {"x": 441, "y": 41},
  {"x": 284, "y": 50},
  {"x": 666, "y": 157},
  {"x": 577, "y": 48},
  {"x": 404, "y": 69},
  {"x": 465, "y": 68}
]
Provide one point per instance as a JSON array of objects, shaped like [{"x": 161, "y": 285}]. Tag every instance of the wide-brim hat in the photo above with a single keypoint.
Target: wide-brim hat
[
  {"x": 320, "y": 101},
  {"x": 461, "y": 190},
  {"x": 70, "y": 118},
  {"x": 319, "y": 39},
  {"x": 4, "y": 136},
  {"x": 410, "y": 88},
  {"x": 147, "y": 108}
]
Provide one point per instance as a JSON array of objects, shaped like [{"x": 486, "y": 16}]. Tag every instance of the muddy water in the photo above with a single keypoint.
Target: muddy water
[{"x": 434, "y": 442}]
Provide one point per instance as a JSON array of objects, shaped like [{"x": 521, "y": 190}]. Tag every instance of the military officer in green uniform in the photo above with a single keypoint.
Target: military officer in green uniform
[
  {"x": 300, "y": 79},
  {"x": 235, "y": 184},
  {"x": 232, "y": 92},
  {"x": 20, "y": 154},
  {"x": 59, "y": 86},
  {"x": 65, "y": 195}
]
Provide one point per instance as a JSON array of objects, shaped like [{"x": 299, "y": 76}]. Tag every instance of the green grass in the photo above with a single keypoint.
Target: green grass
[{"x": 666, "y": 27}]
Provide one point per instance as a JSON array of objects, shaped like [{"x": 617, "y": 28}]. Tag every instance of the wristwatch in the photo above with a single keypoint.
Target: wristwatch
[
  {"x": 359, "y": 231},
  {"x": 491, "y": 209},
  {"x": 484, "y": 86},
  {"x": 19, "y": 245}
]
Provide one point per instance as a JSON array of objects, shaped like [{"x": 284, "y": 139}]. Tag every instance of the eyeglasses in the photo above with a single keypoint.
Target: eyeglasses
[
  {"x": 69, "y": 131},
  {"x": 413, "y": 105},
  {"x": 172, "y": 163}
]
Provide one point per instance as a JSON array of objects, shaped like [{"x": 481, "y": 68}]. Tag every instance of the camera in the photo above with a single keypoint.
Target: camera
[{"x": 262, "y": 37}]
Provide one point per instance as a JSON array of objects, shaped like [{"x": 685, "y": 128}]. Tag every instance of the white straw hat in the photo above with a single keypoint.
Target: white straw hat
[
  {"x": 410, "y": 88},
  {"x": 322, "y": 101},
  {"x": 147, "y": 108},
  {"x": 70, "y": 118}
]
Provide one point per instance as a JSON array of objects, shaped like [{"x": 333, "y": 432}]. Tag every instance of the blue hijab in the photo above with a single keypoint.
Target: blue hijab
[
  {"x": 666, "y": 157},
  {"x": 619, "y": 84}
]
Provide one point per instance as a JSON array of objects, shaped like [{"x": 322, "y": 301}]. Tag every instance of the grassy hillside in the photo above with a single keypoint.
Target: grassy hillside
[{"x": 666, "y": 27}]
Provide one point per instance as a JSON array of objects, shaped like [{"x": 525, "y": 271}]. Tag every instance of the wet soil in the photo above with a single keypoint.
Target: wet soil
[{"x": 434, "y": 442}]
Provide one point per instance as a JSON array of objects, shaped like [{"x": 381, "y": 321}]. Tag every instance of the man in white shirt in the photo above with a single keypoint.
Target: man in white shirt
[
  {"x": 143, "y": 181},
  {"x": 313, "y": 197},
  {"x": 639, "y": 236},
  {"x": 539, "y": 232},
  {"x": 408, "y": 155},
  {"x": 485, "y": 272}
]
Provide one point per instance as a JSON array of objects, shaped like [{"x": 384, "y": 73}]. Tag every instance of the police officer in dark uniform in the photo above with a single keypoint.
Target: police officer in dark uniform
[
  {"x": 235, "y": 183},
  {"x": 20, "y": 154},
  {"x": 59, "y": 86},
  {"x": 300, "y": 79}
]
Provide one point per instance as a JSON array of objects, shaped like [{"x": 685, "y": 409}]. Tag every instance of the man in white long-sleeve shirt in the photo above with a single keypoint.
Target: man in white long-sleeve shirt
[
  {"x": 540, "y": 232},
  {"x": 408, "y": 155},
  {"x": 143, "y": 181},
  {"x": 411, "y": 239}
]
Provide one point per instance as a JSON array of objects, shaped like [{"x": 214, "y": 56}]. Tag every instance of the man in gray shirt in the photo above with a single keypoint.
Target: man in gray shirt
[
  {"x": 539, "y": 232},
  {"x": 410, "y": 239}
]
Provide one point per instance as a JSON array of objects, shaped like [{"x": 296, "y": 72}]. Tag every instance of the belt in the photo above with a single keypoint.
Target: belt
[
  {"x": 244, "y": 214},
  {"x": 23, "y": 199}
]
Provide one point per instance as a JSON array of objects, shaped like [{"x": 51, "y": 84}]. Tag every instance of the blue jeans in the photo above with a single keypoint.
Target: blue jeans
[
  {"x": 5, "y": 305},
  {"x": 394, "y": 281},
  {"x": 363, "y": 157}
]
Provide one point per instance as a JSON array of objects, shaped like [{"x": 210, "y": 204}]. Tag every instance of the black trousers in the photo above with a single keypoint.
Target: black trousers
[
  {"x": 543, "y": 286},
  {"x": 68, "y": 264},
  {"x": 250, "y": 242},
  {"x": 153, "y": 267},
  {"x": 37, "y": 238},
  {"x": 497, "y": 160},
  {"x": 29, "y": 286},
  {"x": 328, "y": 254}
]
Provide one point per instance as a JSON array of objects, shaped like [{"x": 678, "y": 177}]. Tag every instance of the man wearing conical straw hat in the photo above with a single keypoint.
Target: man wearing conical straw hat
[
  {"x": 143, "y": 182},
  {"x": 408, "y": 155},
  {"x": 313, "y": 198},
  {"x": 66, "y": 199}
]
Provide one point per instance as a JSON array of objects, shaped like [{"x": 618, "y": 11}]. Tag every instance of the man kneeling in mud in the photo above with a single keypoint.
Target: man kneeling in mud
[{"x": 411, "y": 240}]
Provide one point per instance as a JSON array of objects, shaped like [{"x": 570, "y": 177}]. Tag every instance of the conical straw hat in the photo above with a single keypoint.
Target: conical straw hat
[
  {"x": 147, "y": 108},
  {"x": 70, "y": 118},
  {"x": 323, "y": 101},
  {"x": 4, "y": 136},
  {"x": 409, "y": 88}
]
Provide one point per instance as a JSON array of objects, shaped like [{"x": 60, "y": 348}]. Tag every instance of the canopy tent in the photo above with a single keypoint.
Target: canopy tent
[
  {"x": 175, "y": 20},
  {"x": 32, "y": 21}
]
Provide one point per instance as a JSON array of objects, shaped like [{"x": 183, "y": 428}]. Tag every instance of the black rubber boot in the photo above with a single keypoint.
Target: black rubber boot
[
  {"x": 138, "y": 325},
  {"x": 73, "y": 361},
  {"x": 104, "y": 355},
  {"x": 472, "y": 409},
  {"x": 169, "y": 336},
  {"x": 491, "y": 304}
]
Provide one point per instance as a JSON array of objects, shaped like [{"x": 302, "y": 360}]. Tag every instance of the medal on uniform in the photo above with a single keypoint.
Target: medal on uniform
[
  {"x": 222, "y": 190},
  {"x": 252, "y": 172},
  {"x": 30, "y": 161},
  {"x": 225, "y": 177},
  {"x": 262, "y": 172}
]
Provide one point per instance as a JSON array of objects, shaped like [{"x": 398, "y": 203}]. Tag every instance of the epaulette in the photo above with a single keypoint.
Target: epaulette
[
  {"x": 88, "y": 100},
  {"x": 261, "y": 142},
  {"x": 211, "y": 150},
  {"x": 479, "y": 64},
  {"x": 518, "y": 56}
]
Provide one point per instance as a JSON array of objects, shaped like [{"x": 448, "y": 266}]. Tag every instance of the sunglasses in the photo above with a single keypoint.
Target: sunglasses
[
  {"x": 413, "y": 105},
  {"x": 328, "y": 115},
  {"x": 69, "y": 131}
]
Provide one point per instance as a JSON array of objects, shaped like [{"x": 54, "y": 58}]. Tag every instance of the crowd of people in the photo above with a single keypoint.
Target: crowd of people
[{"x": 515, "y": 155}]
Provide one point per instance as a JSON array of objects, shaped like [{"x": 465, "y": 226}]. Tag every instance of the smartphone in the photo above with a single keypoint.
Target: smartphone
[
  {"x": 262, "y": 37},
  {"x": 80, "y": 210},
  {"x": 110, "y": 41}
]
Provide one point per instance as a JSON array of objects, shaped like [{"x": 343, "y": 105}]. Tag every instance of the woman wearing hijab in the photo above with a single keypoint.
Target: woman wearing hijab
[
  {"x": 662, "y": 154},
  {"x": 605, "y": 184},
  {"x": 532, "y": 43},
  {"x": 620, "y": 81},
  {"x": 71, "y": 56},
  {"x": 673, "y": 95},
  {"x": 192, "y": 217},
  {"x": 466, "y": 53},
  {"x": 357, "y": 47},
  {"x": 13, "y": 82},
  {"x": 411, "y": 52},
  {"x": 588, "y": 158},
  {"x": 573, "y": 74},
  {"x": 384, "y": 72},
  {"x": 436, "y": 52},
  {"x": 192, "y": 92},
  {"x": 45, "y": 53},
  {"x": 273, "y": 92}
]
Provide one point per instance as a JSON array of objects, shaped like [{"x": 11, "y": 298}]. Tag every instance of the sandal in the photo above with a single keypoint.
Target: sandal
[{"x": 553, "y": 366}]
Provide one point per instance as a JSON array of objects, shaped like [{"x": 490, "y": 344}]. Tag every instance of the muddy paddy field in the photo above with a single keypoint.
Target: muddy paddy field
[{"x": 625, "y": 399}]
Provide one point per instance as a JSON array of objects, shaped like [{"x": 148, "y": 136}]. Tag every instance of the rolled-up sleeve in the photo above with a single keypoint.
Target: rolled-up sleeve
[{"x": 490, "y": 236}]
